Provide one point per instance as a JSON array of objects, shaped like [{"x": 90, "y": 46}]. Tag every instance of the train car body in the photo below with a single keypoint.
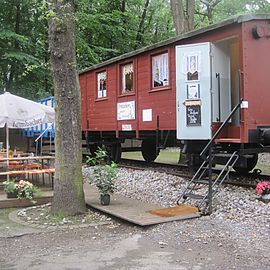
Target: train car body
[{"x": 182, "y": 90}]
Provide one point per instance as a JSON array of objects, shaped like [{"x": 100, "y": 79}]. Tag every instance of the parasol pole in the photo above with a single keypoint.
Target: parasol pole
[
  {"x": 7, "y": 141},
  {"x": 7, "y": 148}
]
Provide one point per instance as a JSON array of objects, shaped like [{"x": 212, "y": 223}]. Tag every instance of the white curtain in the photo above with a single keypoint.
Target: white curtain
[{"x": 160, "y": 70}]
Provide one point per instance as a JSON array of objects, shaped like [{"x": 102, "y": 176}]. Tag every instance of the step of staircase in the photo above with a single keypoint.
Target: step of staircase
[
  {"x": 193, "y": 196},
  {"x": 228, "y": 140}
]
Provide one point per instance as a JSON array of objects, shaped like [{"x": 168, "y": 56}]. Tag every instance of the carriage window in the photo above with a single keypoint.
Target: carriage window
[
  {"x": 192, "y": 66},
  {"x": 102, "y": 84},
  {"x": 127, "y": 78},
  {"x": 160, "y": 74}
]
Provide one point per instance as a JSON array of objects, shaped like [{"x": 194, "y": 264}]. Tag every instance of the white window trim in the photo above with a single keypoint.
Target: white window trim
[
  {"x": 160, "y": 70},
  {"x": 101, "y": 93},
  {"x": 126, "y": 69}
]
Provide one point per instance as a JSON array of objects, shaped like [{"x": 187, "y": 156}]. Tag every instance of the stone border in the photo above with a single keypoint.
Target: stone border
[{"x": 13, "y": 217}]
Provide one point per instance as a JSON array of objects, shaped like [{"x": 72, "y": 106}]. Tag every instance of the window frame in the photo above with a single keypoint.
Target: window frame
[
  {"x": 162, "y": 87},
  {"x": 97, "y": 85},
  {"x": 120, "y": 76}
]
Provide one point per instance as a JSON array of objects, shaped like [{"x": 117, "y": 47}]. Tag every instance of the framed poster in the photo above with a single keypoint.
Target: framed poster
[
  {"x": 126, "y": 110},
  {"x": 193, "y": 91}
]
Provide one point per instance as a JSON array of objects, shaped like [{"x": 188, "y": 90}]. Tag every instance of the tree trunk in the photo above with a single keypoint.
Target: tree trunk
[
  {"x": 68, "y": 185},
  {"x": 190, "y": 14},
  {"x": 123, "y": 6},
  {"x": 140, "y": 31},
  {"x": 183, "y": 15},
  {"x": 12, "y": 70},
  {"x": 178, "y": 15}
]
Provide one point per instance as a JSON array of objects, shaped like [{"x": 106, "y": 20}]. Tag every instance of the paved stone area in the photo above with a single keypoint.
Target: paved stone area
[{"x": 194, "y": 244}]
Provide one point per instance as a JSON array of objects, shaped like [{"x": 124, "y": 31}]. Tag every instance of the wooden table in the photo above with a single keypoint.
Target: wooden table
[
  {"x": 29, "y": 158},
  {"x": 27, "y": 167}
]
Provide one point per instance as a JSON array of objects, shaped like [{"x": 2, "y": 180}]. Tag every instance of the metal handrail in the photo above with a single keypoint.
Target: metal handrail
[
  {"x": 45, "y": 130},
  {"x": 41, "y": 135},
  {"x": 221, "y": 128}
]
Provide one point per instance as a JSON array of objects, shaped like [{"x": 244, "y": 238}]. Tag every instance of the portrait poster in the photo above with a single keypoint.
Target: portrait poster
[{"x": 193, "y": 91}]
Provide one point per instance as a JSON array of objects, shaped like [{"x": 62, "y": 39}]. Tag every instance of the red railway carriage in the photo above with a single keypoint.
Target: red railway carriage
[{"x": 183, "y": 90}]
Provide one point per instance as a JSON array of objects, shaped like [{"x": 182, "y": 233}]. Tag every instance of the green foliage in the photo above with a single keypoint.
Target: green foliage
[
  {"x": 104, "y": 174},
  {"x": 57, "y": 217},
  {"x": 109, "y": 28},
  {"x": 9, "y": 186},
  {"x": 22, "y": 189},
  {"x": 213, "y": 11},
  {"x": 24, "y": 67},
  {"x": 98, "y": 158}
]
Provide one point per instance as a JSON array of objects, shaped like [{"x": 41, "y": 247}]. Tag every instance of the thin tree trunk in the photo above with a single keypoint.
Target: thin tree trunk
[
  {"x": 12, "y": 70},
  {"x": 140, "y": 31},
  {"x": 190, "y": 15},
  {"x": 68, "y": 188},
  {"x": 123, "y": 6},
  {"x": 210, "y": 7},
  {"x": 178, "y": 16}
]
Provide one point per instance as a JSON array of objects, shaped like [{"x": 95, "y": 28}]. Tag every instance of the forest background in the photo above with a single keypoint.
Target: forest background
[{"x": 105, "y": 29}]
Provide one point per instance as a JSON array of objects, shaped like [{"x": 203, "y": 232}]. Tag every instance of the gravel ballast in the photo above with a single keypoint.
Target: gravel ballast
[
  {"x": 238, "y": 204},
  {"x": 234, "y": 208}
]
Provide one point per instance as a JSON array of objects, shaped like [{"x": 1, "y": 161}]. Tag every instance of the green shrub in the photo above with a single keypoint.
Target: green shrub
[{"x": 104, "y": 174}]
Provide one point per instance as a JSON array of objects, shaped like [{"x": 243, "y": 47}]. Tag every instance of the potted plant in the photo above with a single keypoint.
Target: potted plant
[
  {"x": 10, "y": 189},
  {"x": 20, "y": 190},
  {"x": 104, "y": 175},
  {"x": 263, "y": 189}
]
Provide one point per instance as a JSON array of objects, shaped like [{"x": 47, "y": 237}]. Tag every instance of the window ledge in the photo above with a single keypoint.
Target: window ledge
[
  {"x": 101, "y": 99},
  {"x": 160, "y": 89},
  {"x": 127, "y": 95}
]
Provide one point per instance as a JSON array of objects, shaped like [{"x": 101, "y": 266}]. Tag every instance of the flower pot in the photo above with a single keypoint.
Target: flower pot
[
  {"x": 104, "y": 199},
  {"x": 265, "y": 198},
  {"x": 12, "y": 194}
]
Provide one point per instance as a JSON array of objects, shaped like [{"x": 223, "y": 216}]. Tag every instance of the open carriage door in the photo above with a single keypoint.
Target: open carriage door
[{"x": 193, "y": 91}]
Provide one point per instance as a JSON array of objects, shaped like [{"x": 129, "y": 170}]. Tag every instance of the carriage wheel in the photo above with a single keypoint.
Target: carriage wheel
[
  {"x": 114, "y": 152},
  {"x": 251, "y": 163},
  {"x": 149, "y": 152}
]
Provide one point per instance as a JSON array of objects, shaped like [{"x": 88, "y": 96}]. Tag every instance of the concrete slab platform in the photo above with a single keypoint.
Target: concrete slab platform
[{"x": 132, "y": 210}]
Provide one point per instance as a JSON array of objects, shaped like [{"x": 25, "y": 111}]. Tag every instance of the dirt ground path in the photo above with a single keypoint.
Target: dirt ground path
[{"x": 192, "y": 244}]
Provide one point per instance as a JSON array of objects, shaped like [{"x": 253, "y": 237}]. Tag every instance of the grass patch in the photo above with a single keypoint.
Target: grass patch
[
  {"x": 7, "y": 223},
  {"x": 57, "y": 217},
  {"x": 264, "y": 168},
  {"x": 165, "y": 156},
  {"x": 42, "y": 215},
  {"x": 5, "y": 212}
]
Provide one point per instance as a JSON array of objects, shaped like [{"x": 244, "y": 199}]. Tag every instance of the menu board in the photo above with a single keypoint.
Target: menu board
[{"x": 193, "y": 114}]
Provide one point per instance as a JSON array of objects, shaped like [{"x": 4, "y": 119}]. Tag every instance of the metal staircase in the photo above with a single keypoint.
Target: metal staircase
[
  {"x": 203, "y": 186},
  {"x": 203, "y": 189}
]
